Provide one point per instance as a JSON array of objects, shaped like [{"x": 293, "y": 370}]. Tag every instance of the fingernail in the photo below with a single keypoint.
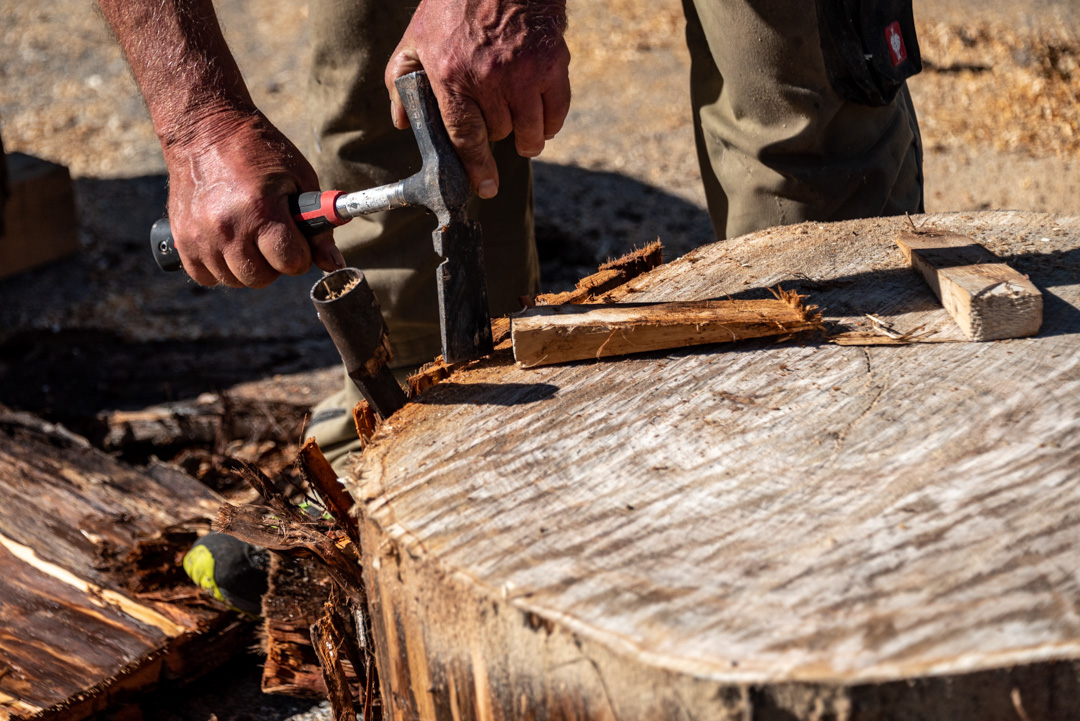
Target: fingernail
[
  {"x": 339, "y": 259},
  {"x": 487, "y": 189}
]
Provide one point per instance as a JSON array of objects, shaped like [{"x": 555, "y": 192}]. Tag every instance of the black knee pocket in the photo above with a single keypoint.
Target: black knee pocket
[{"x": 869, "y": 46}]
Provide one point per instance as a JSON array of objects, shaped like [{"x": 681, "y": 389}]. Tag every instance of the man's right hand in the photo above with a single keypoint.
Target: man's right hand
[{"x": 229, "y": 180}]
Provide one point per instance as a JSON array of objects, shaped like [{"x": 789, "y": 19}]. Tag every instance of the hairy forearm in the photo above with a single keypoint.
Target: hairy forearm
[
  {"x": 181, "y": 62},
  {"x": 231, "y": 171}
]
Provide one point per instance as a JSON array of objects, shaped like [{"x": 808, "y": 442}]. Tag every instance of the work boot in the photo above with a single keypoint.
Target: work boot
[
  {"x": 232, "y": 571},
  {"x": 332, "y": 424}
]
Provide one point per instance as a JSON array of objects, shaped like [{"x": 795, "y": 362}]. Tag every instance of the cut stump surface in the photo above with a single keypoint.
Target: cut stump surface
[{"x": 755, "y": 530}]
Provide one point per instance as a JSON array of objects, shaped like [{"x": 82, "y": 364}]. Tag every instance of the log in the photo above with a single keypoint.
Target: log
[
  {"x": 86, "y": 616},
  {"x": 560, "y": 333},
  {"x": 39, "y": 219},
  {"x": 274, "y": 408},
  {"x": 987, "y": 299},
  {"x": 788, "y": 531}
]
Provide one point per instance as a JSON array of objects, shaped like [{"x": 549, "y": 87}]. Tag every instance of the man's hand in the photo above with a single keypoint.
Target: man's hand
[
  {"x": 230, "y": 170},
  {"x": 496, "y": 67},
  {"x": 228, "y": 184}
]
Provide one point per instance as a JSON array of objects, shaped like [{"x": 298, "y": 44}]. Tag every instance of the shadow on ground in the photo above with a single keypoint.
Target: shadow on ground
[{"x": 584, "y": 217}]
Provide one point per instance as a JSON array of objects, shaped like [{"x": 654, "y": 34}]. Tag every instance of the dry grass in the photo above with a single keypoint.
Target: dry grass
[{"x": 994, "y": 85}]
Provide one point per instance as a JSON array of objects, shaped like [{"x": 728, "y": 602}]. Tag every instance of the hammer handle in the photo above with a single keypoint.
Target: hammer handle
[{"x": 313, "y": 213}]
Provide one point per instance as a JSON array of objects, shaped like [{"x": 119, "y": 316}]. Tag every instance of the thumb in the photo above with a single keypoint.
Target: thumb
[{"x": 468, "y": 131}]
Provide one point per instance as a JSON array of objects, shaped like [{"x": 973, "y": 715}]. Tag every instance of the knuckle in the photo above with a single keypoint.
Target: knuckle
[{"x": 287, "y": 255}]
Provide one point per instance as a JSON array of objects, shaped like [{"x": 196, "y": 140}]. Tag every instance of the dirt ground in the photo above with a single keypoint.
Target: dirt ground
[{"x": 999, "y": 107}]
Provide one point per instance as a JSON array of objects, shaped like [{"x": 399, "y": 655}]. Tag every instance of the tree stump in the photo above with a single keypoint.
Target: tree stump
[{"x": 794, "y": 530}]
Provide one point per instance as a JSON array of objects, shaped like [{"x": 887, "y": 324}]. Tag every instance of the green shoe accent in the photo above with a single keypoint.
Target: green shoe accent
[{"x": 231, "y": 571}]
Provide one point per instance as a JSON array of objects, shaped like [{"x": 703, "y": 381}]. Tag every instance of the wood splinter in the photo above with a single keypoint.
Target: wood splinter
[
  {"x": 560, "y": 333},
  {"x": 988, "y": 299}
]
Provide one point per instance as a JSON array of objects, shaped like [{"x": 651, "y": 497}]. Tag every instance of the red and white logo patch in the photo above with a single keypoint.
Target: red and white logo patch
[{"x": 895, "y": 40}]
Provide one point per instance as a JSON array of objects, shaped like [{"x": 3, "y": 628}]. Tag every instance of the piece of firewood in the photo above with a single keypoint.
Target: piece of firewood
[
  {"x": 988, "y": 299},
  {"x": 40, "y": 224},
  {"x": 609, "y": 277},
  {"x": 559, "y": 333},
  {"x": 329, "y": 643},
  {"x": 321, "y": 476},
  {"x": 298, "y": 588}
]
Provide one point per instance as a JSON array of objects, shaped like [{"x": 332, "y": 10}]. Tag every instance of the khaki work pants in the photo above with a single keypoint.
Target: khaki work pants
[{"x": 776, "y": 145}]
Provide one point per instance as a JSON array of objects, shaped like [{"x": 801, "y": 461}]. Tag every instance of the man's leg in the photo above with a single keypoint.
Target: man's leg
[
  {"x": 776, "y": 143},
  {"x": 354, "y": 145}
]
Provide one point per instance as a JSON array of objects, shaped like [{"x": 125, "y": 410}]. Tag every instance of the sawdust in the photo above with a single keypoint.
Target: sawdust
[{"x": 341, "y": 292}]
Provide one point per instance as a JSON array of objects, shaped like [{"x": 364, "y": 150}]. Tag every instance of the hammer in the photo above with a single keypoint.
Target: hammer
[{"x": 442, "y": 187}]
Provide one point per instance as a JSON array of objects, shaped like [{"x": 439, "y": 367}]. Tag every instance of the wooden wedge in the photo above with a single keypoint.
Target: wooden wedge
[{"x": 988, "y": 299}]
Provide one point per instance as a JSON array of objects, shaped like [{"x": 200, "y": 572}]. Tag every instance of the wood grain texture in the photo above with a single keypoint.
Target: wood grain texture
[
  {"x": 71, "y": 637},
  {"x": 987, "y": 299},
  {"x": 550, "y": 334},
  {"x": 298, "y": 588},
  {"x": 792, "y": 529}
]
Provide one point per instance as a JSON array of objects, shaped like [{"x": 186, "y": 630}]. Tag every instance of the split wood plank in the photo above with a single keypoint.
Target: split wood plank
[
  {"x": 72, "y": 637},
  {"x": 39, "y": 219},
  {"x": 609, "y": 276},
  {"x": 560, "y": 333},
  {"x": 787, "y": 531},
  {"x": 987, "y": 299}
]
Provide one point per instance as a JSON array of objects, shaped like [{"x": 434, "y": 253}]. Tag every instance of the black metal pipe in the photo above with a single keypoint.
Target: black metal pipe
[{"x": 347, "y": 306}]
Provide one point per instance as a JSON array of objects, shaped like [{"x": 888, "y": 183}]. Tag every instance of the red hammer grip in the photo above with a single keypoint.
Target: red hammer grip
[{"x": 316, "y": 212}]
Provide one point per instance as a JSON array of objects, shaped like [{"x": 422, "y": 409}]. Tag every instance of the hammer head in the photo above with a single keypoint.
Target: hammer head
[{"x": 441, "y": 186}]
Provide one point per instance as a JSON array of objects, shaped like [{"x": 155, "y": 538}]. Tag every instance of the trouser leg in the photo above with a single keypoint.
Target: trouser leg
[
  {"x": 354, "y": 145},
  {"x": 776, "y": 143}
]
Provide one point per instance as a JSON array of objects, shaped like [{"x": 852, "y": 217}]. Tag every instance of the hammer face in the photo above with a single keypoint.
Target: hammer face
[{"x": 463, "y": 303}]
